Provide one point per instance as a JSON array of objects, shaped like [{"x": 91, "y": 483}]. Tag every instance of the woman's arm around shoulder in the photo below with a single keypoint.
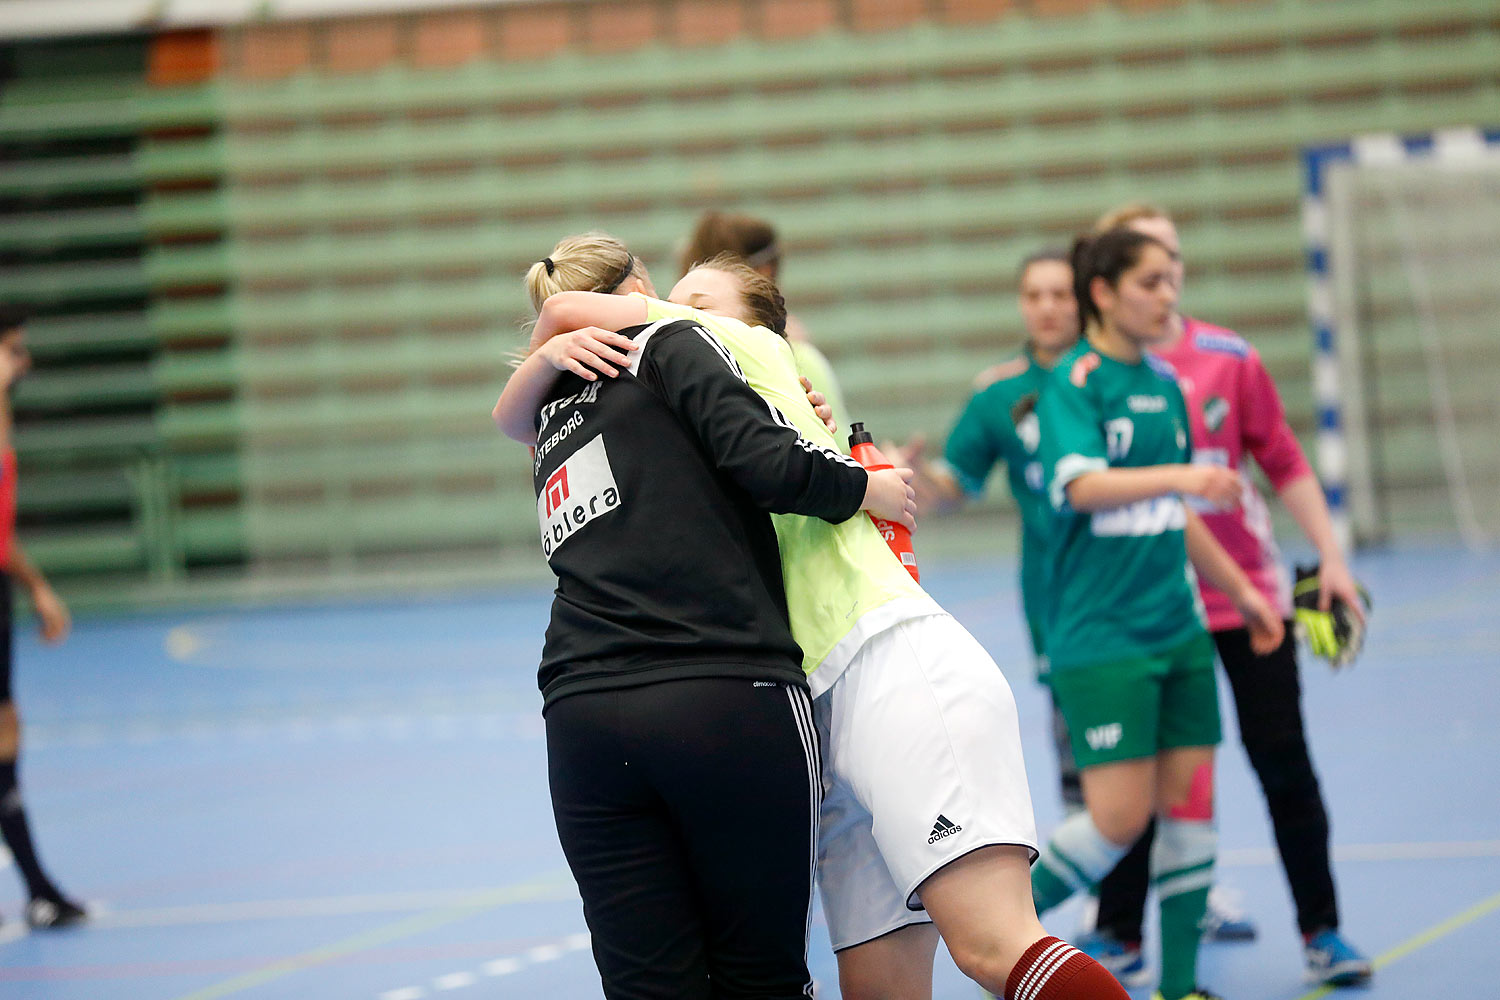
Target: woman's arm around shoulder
[{"x": 582, "y": 352}]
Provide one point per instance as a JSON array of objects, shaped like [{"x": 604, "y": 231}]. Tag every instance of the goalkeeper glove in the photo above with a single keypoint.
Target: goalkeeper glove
[{"x": 1336, "y": 634}]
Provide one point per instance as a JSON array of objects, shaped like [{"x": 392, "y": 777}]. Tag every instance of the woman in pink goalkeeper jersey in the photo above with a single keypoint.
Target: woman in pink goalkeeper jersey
[{"x": 1235, "y": 412}]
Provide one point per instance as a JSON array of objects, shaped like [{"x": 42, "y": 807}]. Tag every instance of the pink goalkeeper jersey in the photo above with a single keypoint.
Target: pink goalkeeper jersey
[{"x": 1234, "y": 408}]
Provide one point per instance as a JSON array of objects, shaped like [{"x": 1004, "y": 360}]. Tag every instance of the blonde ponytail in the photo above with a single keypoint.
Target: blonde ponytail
[{"x": 589, "y": 262}]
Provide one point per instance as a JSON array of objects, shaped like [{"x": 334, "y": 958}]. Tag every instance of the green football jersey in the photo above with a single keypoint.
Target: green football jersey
[
  {"x": 999, "y": 424},
  {"x": 843, "y": 583},
  {"x": 1122, "y": 585}
]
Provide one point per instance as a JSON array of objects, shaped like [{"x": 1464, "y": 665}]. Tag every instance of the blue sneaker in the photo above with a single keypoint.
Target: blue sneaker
[
  {"x": 1122, "y": 959},
  {"x": 1332, "y": 961},
  {"x": 1224, "y": 920}
]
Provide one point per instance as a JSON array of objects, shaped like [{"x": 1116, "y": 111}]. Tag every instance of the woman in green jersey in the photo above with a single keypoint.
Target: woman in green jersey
[
  {"x": 1131, "y": 659},
  {"x": 998, "y": 425},
  {"x": 927, "y": 826}
]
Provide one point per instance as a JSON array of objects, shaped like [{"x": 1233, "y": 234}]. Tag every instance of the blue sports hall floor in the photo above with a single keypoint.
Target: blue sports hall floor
[{"x": 348, "y": 801}]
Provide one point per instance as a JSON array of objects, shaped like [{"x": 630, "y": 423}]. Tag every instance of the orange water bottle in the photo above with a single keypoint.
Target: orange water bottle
[{"x": 896, "y": 535}]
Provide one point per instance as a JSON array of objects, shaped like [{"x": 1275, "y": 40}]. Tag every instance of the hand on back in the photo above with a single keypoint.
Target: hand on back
[
  {"x": 819, "y": 404},
  {"x": 587, "y": 351}
]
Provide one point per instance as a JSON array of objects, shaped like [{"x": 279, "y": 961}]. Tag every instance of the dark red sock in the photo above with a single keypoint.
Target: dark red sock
[{"x": 1052, "y": 969}]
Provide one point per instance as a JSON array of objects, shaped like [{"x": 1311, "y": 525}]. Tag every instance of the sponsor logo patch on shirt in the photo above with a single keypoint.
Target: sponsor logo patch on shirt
[
  {"x": 1155, "y": 516},
  {"x": 590, "y": 394},
  {"x": 1141, "y": 403},
  {"x": 1222, "y": 343},
  {"x": 579, "y": 491}
]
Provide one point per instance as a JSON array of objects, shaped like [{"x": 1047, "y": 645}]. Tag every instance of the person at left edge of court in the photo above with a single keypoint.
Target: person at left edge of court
[
  {"x": 47, "y": 907},
  {"x": 682, "y": 754}
]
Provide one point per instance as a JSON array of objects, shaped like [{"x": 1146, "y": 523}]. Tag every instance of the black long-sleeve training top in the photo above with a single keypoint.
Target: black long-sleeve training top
[{"x": 652, "y": 491}]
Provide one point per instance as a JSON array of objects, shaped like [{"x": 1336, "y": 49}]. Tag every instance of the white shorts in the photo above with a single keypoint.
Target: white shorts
[{"x": 922, "y": 761}]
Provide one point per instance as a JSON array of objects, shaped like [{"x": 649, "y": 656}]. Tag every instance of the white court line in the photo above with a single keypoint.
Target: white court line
[
  {"x": 1432, "y": 851},
  {"x": 283, "y": 909},
  {"x": 454, "y": 981},
  {"x": 549, "y": 952},
  {"x": 445, "y": 727},
  {"x": 1239, "y": 858},
  {"x": 1248, "y": 857},
  {"x": 563, "y": 889},
  {"x": 501, "y": 967}
]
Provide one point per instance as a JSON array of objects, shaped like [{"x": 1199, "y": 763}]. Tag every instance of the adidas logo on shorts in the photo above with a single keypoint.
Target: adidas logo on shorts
[{"x": 944, "y": 827}]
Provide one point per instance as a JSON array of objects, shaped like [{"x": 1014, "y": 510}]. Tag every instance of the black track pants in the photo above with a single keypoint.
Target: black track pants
[
  {"x": 1268, "y": 701},
  {"x": 688, "y": 812}
]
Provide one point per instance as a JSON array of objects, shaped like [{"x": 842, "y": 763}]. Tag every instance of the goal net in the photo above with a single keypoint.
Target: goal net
[{"x": 1404, "y": 258}]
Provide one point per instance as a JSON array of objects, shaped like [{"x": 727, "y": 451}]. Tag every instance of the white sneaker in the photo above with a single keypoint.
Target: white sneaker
[
  {"x": 47, "y": 913},
  {"x": 1225, "y": 919}
]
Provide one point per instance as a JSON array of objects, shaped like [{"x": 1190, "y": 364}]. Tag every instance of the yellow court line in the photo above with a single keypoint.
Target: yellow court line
[
  {"x": 1423, "y": 939},
  {"x": 540, "y": 888}
]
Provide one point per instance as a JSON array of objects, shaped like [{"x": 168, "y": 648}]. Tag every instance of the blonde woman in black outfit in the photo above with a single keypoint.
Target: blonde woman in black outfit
[{"x": 682, "y": 757}]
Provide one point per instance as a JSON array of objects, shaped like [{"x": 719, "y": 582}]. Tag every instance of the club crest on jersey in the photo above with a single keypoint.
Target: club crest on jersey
[
  {"x": 1023, "y": 418},
  {"x": 1079, "y": 373},
  {"x": 1029, "y": 431},
  {"x": 1215, "y": 410},
  {"x": 579, "y": 491}
]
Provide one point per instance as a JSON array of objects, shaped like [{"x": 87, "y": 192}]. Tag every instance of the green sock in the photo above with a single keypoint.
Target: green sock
[
  {"x": 1076, "y": 857},
  {"x": 1182, "y": 864},
  {"x": 1181, "y": 915},
  {"x": 1047, "y": 889}
]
